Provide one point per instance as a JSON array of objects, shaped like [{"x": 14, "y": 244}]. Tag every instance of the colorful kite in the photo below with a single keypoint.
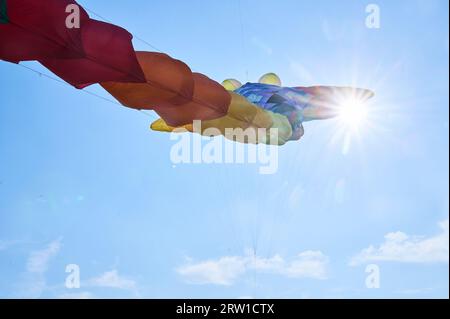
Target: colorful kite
[{"x": 82, "y": 51}]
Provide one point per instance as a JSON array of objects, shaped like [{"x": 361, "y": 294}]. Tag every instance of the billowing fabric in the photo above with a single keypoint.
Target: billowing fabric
[
  {"x": 241, "y": 115},
  {"x": 99, "y": 52},
  {"x": 98, "y": 64},
  {"x": 280, "y": 100},
  {"x": 38, "y": 30},
  {"x": 300, "y": 104},
  {"x": 231, "y": 84},
  {"x": 173, "y": 91},
  {"x": 34, "y": 30},
  {"x": 270, "y": 78}
]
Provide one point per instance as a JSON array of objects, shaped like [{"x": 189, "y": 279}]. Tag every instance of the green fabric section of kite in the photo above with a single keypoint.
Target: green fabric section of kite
[{"x": 3, "y": 12}]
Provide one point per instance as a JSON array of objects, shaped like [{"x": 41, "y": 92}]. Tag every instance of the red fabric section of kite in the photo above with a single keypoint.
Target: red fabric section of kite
[{"x": 36, "y": 30}]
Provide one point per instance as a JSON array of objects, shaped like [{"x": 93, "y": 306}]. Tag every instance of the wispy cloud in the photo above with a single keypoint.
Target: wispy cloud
[
  {"x": 112, "y": 279},
  {"x": 223, "y": 271},
  {"x": 79, "y": 295},
  {"x": 34, "y": 282},
  {"x": 101, "y": 284},
  {"x": 414, "y": 292},
  {"x": 38, "y": 260},
  {"x": 400, "y": 247},
  {"x": 226, "y": 270}
]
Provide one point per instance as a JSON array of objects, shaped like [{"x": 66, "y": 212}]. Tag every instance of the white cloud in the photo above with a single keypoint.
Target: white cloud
[
  {"x": 38, "y": 260},
  {"x": 79, "y": 295},
  {"x": 219, "y": 272},
  {"x": 112, "y": 279},
  {"x": 310, "y": 264},
  {"x": 34, "y": 283},
  {"x": 109, "y": 279},
  {"x": 226, "y": 270},
  {"x": 400, "y": 247},
  {"x": 415, "y": 291}
]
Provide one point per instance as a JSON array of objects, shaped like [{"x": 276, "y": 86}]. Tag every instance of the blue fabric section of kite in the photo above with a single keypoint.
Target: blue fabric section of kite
[
  {"x": 261, "y": 94},
  {"x": 3, "y": 12},
  {"x": 286, "y": 101}
]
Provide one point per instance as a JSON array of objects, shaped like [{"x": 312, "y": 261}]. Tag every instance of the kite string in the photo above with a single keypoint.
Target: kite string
[
  {"x": 255, "y": 231},
  {"x": 152, "y": 83},
  {"x": 41, "y": 74},
  {"x": 135, "y": 36},
  {"x": 243, "y": 33}
]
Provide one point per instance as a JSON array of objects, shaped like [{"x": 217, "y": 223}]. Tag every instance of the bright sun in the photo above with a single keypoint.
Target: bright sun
[{"x": 353, "y": 113}]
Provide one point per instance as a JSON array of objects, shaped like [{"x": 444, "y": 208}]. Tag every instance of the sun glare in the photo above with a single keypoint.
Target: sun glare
[{"x": 353, "y": 113}]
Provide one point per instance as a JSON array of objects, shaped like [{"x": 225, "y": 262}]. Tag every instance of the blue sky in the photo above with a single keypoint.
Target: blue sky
[{"x": 84, "y": 181}]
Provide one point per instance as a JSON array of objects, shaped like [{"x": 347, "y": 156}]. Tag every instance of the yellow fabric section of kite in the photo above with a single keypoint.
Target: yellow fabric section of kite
[
  {"x": 242, "y": 124},
  {"x": 271, "y": 79},
  {"x": 231, "y": 84}
]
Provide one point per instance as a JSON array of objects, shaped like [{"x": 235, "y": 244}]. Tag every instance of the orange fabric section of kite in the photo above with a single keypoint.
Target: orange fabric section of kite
[{"x": 172, "y": 90}]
